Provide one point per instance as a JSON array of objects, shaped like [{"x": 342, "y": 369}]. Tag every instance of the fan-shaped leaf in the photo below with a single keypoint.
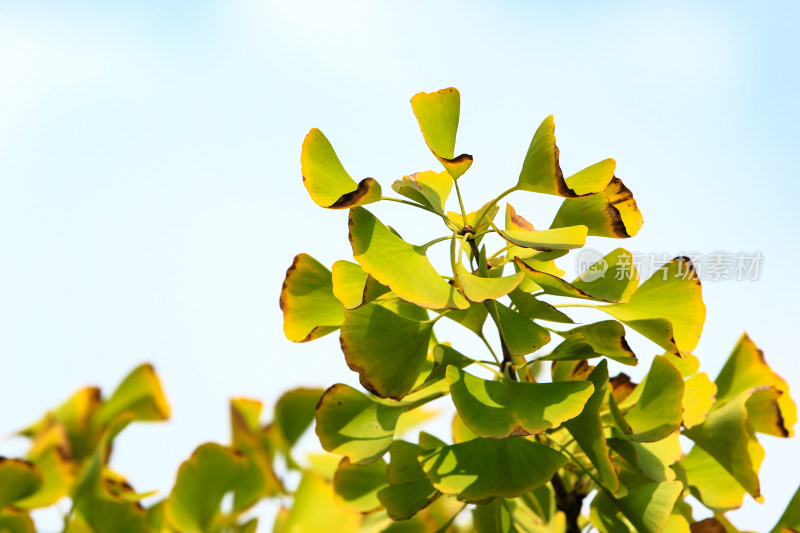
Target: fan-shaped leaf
[
  {"x": 506, "y": 408},
  {"x": 356, "y": 486},
  {"x": 326, "y": 180},
  {"x": 658, "y": 411},
  {"x": 310, "y": 310},
  {"x": 428, "y": 188},
  {"x": 437, "y": 114},
  {"x": 610, "y": 213},
  {"x": 479, "y": 289},
  {"x": 354, "y": 287},
  {"x": 521, "y": 335},
  {"x": 409, "y": 488},
  {"x": 399, "y": 265},
  {"x": 18, "y": 479}
]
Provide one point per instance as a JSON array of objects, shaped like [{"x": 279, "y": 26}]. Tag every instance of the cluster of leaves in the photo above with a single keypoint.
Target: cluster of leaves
[{"x": 526, "y": 451}]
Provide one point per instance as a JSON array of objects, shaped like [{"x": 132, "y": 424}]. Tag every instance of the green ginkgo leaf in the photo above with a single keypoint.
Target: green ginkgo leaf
[
  {"x": 438, "y": 114},
  {"x": 605, "y": 338},
  {"x": 521, "y": 335},
  {"x": 203, "y": 480},
  {"x": 444, "y": 356},
  {"x": 399, "y": 265},
  {"x": 16, "y": 522},
  {"x": 409, "y": 488},
  {"x": 709, "y": 481},
  {"x": 550, "y": 283},
  {"x": 610, "y": 213},
  {"x": 494, "y": 517},
  {"x": 668, "y": 308},
  {"x": 479, "y": 289},
  {"x": 698, "y": 397},
  {"x": 485, "y": 468},
  {"x": 542, "y": 173},
  {"x": 354, "y": 287},
  {"x": 315, "y": 509},
  {"x": 428, "y": 188},
  {"x": 790, "y": 519},
  {"x": 531, "y": 307},
  {"x": 587, "y": 429},
  {"x": 549, "y": 239},
  {"x": 472, "y": 318},
  {"x": 141, "y": 394},
  {"x": 745, "y": 368},
  {"x": 326, "y": 180},
  {"x": 506, "y": 408},
  {"x": 356, "y": 425},
  {"x": 726, "y": 436},
  {"x": 18, "y": 479},
  {"x": 294, "y": 412},
  {"x": 653, "y": 459},
  {"x": 613, "y": 278},
  {"x": 356, "y": 487},
  {"x": 647, "y": 508},
  {"x": 310, "y": 310},
  {"x": 659, "y": 408},
  {"x": 387, "y": 350},
  {"x": 49, "y": 453}
]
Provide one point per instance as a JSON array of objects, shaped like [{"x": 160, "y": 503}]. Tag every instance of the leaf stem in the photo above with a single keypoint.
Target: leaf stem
[
  {"x": 460, "y": 202},
  {"x": 419, "y": 206},
  {"x": 489, "y": 346},
  {"x": 434, "y": 241}
]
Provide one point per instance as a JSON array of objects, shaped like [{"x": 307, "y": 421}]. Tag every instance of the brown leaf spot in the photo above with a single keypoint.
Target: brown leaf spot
[
  {"x": 709, "y": 525},
  {"x": 519, "y": 220}
]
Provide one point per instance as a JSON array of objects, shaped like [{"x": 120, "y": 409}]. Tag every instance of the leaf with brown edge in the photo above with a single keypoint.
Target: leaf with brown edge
[
  {"x": 669, "y": 302},
  {"x": 387, "y": 350},
  {"x": 438, "y": 114},
  {"x": 611, "y": 213},
  {"x": 428, "y": 188},
  {"x": 552, "y": 284},
  {"x": 746, "y": 368},
  {"x": 326, "y": 180},
  {"x": 310, "y": 309},
  {"x": 356, "y": 425},
  {"x": 399, "y": 265},
  {"x": 604, "y": 338},
  {"x": 541, "y": 171},
  {"x": 507, "y": 408},
  {"x": 141, "y": 394}
]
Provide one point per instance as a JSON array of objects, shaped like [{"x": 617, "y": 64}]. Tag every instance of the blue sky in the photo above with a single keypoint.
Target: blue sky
[{"x": 151, "y": 197}]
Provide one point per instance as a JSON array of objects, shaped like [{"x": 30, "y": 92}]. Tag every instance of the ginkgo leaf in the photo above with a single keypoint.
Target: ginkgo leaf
[
  {"x": 613, "y": 278},
  {"x": 593, "y": 178},
  {"x": 485, "y": 213},
  {"x": 484, "y": 468},
  {"x": 605, "y": 338},
  {"x": 500, "y": 409},
  {"x": 310, "y": 310},
  {"x": 399, "y": 265},
  {"x": 479, "y": 289},
  {"x": 551, "y": 284},
  {"x": 531, "y": 307},
  {"x": 18, "y": 479},
  {"x": 658, "y": 410},
  {"x": 356, "y": 425},
  {"x": 354, "y": 287},
  {"x": 493, "y": 517},
  {"x": 356, "y": 487},
  {"x": 726, "y": 437},
  {"x": 141, "y": 394},
  {"x": 549, "y": 239},
  {"x": 745, "y": 368},
  {"x": 438, "y": 114},
  {"x": 444, "y": 356},
  {"x": 294, "y": 412},
  {"x": 50, "y": 453},
  {"x": 461, "y": 432},
  {"x": 315, "y": 509},
  {"x": 647, "y": 508},
  {"x": 611, "y": 213},
  {"x": 203, "y": 480},
  {"x": 587, "y": 429},
  {"x": 472, "y": 318},
  {"x": 653, "y": 459},
  {"x": 409, "y": 488},
  {"x": 521, "y": 335},
  {"x": 699, "y": 395},
  {"x": 326, "y": 180},
  {"x": 668, "y": 308},
  {"x": 709, "y": 481},
  {"x": 428, "y": 188},
  {"x": 387, "y": 350}
]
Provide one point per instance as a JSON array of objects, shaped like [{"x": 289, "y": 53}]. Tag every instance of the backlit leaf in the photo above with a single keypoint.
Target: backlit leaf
[
  {"x": 658, "y": 411},
  {"x": 140, "y": 394},
  {"x": 438, "y": 114},
  {"x": 698, "y": 397},
  {"x": 610, "y": 213},
  {"x": 18, "y": 479},
  {"x": 671, "y": 299},
  {"x": 521, "y": 335},
  {"x": 531, "y": 307},
  {"x": 605, "y": 338},
  {"x": 387, "y": 350},
  {"x": 399, "y": 265},
  {"x": 356, "y": 486},
  {"x": 647, "y": 508},
  {"x": 613, "y": 278},
  {"x": 428, "y": 188},
  {"x": 409, "y": 488},
  {"x": 356, "y": 425},
  {"x": 478, "y": 289},
  {"x": 709, "y": 482},
  {"x": 315, "y": 509},
  {"x": 484, "y": 468},
  {"x": 354, "y": 287},
  {"x": 310, "y": 310},
  {"x": 548, "y": 240},
  {"x": 506, "y": 408},
  {"x": 326, "y": 180},
  {"x": 294, "y": 412}
]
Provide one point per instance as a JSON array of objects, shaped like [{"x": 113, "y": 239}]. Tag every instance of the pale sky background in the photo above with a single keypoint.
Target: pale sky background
[{"x": 151, "y": 198}]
